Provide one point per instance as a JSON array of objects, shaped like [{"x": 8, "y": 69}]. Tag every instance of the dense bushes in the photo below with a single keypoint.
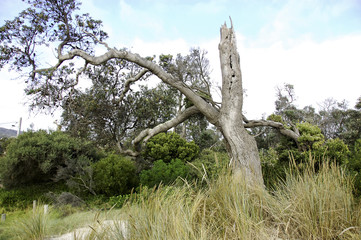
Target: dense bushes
[
  {"x": 56, "y": 156},
  {"x": 34, "y": 157},
  {"x": 165, "y": 173},
  {"x": 114, "y": 175},
  {"x": 177, "y": 158},
  {"x": 22, "y": 197},
  {"x": 168, "y": 155},
  {"x": 170, "y": 146},
  {"x": 209, "y": 164}
]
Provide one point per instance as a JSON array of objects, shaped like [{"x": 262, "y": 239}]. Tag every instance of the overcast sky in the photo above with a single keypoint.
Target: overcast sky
[{"x": 313, "y": 44}]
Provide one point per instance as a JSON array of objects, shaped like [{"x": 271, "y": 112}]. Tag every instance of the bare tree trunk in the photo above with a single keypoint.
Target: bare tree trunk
[
  {"x": 243, "y": 151},
  {"x": 242, "y": 147}
]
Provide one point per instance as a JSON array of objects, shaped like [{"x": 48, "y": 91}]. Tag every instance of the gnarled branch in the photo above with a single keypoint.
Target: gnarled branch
[
  {"x": 210, "y": 112},
  {"x": 279, "y": 126},
  {"x": 146, "y": 134},
  {"x": 130, "y": 81}
]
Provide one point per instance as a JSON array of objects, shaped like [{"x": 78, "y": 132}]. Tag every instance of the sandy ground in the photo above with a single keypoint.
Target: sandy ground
[{"x": 82, "y": 233}]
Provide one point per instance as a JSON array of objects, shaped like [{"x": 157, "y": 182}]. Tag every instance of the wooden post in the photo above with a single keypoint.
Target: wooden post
[
  {"x": 19, "y": 130},
  {"x": 34, "y": 206},
  {"x": 3, "y": 217},
  {"x": 46, "y": 208}
]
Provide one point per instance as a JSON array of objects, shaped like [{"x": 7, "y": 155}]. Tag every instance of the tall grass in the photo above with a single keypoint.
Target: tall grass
[
  {"x": 227, "y": 209},
  {"x": 316, "y": 205},
  {"x": 39, "y": 226},
  {"x": 309, "y": 204},
  {"x": 33, "y": 226}
]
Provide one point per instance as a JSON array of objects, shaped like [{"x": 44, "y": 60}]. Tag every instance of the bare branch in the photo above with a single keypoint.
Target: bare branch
[
  {"x": 146, "y": 134},
  {"x": 259, "y": 134},
  {"x": 279, "y": 126},
  {"x": 210, "y": 112},
  {"x": 128, "y": 151},
  {"x": 129, "y": 81},
  {"x": 96, "y": 39},
  {"x": 85, "y": 185},
  {"x": 78, "y": 74}
]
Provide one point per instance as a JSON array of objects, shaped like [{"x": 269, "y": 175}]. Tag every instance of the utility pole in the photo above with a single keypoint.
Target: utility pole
[{"x": 19, "y": 130}]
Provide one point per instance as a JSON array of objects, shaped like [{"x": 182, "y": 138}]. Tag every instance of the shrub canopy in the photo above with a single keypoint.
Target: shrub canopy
[{"x": 34, "y": 157}]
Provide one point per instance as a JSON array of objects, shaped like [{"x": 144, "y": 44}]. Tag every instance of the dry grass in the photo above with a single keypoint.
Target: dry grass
[
  {"x": 307, "y": 205},
  {"x": 320, "y": 205}
]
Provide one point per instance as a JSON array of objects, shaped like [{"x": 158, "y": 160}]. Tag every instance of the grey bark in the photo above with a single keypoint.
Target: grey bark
[
  {"x": 293, "y": 134},
  {"x": 242, "y": 147},
  {"x": 146, "y": 134}
]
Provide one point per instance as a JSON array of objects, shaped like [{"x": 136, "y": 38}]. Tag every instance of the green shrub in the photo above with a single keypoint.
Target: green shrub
[
  {"x": 114, "y": 175},
  {"x": 310, "y": 136},
  {"x": 209, "y": 164},
  {"x": 168, "y": 146},
  {"x": 165, "y": 173},
  {"x": 34, "y": 157},
  {"x": 118, "y": 201},
  {"x": 4, "y": 142},
  {"x": 272, "y": 168},
  {"x": 78, "y": 175},
  {"x": 336, "y": 150},
  {"x": 168, "y": 154}
]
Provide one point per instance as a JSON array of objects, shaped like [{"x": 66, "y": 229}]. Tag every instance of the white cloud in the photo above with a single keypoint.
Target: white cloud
[
  {"x": 146, "y": 48},
  {"x": 317, "y": 70},
  {"x": 208, "y": 7},
  {"x": 140, "y": 19},
  {"x": 299, "y": 19}
]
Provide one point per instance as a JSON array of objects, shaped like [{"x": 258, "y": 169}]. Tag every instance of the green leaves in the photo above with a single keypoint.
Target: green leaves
[
  {"x": 168, "y": 146},
  {"x": 311, "y": 136},
  {"x": 169, "y": 154},
  {"x": 47, "y": 23},
  {"x": 165, "y": 173},
  {"x": 114, "y": 175},
  {"x": 35, "y": 157}
]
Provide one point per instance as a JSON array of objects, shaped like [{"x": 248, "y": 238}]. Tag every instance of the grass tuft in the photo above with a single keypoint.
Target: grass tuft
[
  {"x": 33, "y": 226},
  {"x": 316, "y": 205}
]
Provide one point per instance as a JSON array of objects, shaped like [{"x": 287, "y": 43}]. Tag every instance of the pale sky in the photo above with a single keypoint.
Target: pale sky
[{"x": 313, "y": 44}]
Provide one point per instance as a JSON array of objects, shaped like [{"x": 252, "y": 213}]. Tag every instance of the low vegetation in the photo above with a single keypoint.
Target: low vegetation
[{"x": 308, "y": 204}]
